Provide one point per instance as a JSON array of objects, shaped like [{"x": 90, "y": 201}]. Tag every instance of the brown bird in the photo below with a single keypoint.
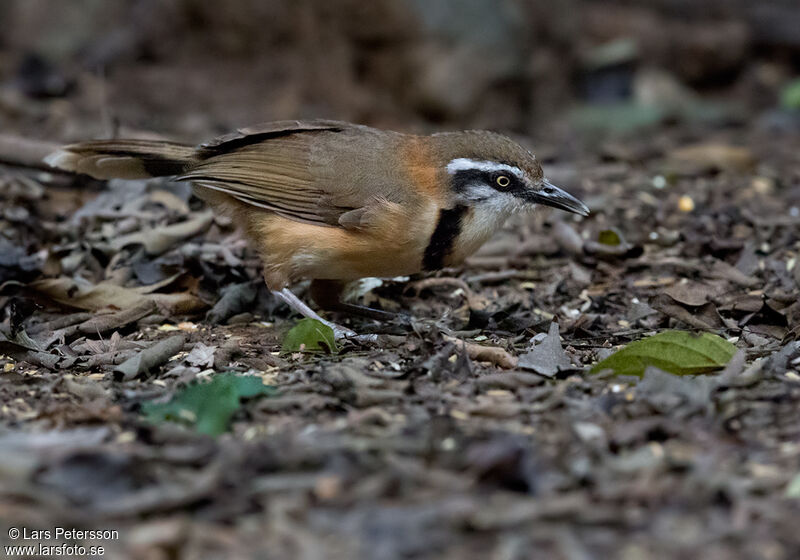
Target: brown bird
[{"x": 332, "y": 201}]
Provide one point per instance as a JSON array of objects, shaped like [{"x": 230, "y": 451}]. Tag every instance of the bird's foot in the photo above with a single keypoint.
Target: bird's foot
[{"x": 339, "y": 332}]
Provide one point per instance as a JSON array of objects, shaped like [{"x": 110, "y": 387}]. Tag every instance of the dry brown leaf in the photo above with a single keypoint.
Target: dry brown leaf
[
  {"x": 702, "y": 158},
  {"x": 81, "y": 294},
  {"x": 201, "y": 355},
  {"x": 157, "y": 240},
  {"x": 547, "y": 357},
  {"x": 691, "y": 293},
  {"x": 723, "y": 271},
  {"x": 103, "y": 323},
  {"x": 703, "y": 316},
  {"x": 169, "y": 201}
]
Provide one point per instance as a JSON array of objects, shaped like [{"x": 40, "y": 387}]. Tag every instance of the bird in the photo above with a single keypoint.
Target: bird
[{"x": 332, "y": 202}]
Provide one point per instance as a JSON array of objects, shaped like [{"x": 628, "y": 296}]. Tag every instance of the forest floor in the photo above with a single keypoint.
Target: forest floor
[{"x": 424, "y": 444}]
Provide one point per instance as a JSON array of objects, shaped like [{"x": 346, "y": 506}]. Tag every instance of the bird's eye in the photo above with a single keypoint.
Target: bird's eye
[{"x": 503, "y": 181}]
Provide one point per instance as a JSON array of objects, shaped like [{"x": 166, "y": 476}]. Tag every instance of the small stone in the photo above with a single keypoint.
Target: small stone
[
  {"x": 762, "y": 185},
  {"x": 328, "y": 487}
]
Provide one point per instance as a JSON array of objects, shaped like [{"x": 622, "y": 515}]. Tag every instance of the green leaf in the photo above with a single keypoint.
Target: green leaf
[
  {"x": 609, "y": 237},
  {"x": 677, "y": 352},
  {"x": 249, "y": 386},
  {"x": 208, "y": 406},
  {"x": 790, "y": 95},
  {"x": 793, "y": 488},
  {"x": 310, "y": 335}
]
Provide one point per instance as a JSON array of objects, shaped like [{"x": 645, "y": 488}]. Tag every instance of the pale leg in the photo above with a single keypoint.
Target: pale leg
[{"x": 298, "y": 305}]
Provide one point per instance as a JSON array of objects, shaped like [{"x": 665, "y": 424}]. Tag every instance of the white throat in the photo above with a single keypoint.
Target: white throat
[{"x": 478, "y": 227}]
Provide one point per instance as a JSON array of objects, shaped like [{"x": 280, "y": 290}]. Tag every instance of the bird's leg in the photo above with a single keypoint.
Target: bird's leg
[
  {"x": 328, "y": 295},
  {"x": 298, "y": 305},
  {"x": 339, "y": 332}
]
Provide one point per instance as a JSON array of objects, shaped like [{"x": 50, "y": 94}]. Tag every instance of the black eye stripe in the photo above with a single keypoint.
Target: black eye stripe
[{"x": 462, "y": 179}]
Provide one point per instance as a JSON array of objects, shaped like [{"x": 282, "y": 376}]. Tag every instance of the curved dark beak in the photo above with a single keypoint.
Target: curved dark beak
[{"x": 551, "y": 195}]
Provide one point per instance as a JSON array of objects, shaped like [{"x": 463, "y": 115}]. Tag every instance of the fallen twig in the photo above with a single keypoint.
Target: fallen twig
[
  {"x": 492, "y": 354},
  {"x": 149, "y": 358},
  {"x": 473, "y": 300}
]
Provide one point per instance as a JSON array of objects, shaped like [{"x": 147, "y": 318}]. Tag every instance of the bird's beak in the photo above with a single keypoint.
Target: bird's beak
[{"x": 551, "y": 195}]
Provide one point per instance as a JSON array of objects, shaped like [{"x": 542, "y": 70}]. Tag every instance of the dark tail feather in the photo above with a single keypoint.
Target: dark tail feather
[{"x": 124, "y": 159}]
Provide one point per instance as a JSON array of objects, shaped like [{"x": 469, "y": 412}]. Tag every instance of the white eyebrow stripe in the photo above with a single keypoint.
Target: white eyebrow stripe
[{"x": 464, "y": 164}]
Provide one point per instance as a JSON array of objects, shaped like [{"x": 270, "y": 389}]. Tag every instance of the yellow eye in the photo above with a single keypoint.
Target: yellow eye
[{"x": 503, "y": 181}]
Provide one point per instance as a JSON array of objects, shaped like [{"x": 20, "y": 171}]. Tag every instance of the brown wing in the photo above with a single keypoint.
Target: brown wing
[
  {"x": 320, "y": 172},
  {"x": 265, "y": 131},
  {"x": 270, "y": 174}
]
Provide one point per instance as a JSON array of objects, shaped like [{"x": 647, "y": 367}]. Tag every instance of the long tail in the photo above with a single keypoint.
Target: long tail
[{"x": 124, "y": 159}]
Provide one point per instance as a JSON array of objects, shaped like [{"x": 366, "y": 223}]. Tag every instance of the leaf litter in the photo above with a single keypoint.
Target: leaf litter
[{"x": 128, "y": 314}]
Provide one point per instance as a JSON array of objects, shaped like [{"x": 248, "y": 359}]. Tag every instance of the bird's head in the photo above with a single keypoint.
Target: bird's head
[{"x": 492, "y": 171}]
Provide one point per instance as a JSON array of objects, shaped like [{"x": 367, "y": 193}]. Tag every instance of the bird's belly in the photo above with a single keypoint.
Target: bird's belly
[
  {"x": 293, "y": 250},
  {"x": 337, "y": 264}
]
